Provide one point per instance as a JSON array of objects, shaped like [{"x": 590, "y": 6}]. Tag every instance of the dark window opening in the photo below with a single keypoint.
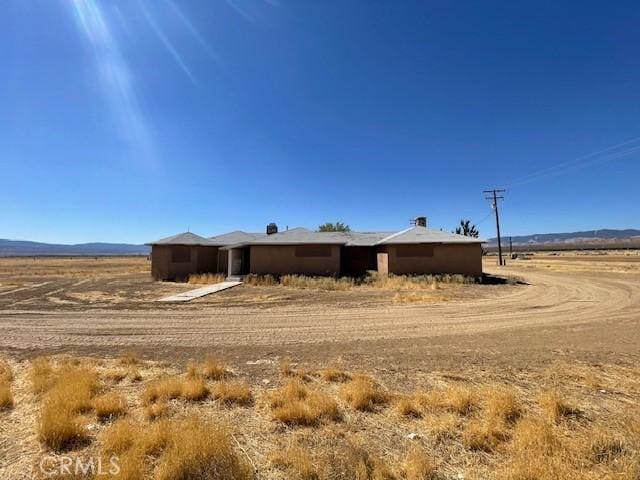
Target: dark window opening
[{"x": 181, "y": 254}]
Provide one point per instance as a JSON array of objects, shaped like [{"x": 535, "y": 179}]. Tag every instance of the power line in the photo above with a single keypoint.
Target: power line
[
  {"x": 484, "y": 219},
  {"x": 494, "y": 197},
  {"x": 580, "y": 162}
]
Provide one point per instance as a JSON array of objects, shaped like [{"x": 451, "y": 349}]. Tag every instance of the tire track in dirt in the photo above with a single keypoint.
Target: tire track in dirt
[{"x": 550, "y": 299}]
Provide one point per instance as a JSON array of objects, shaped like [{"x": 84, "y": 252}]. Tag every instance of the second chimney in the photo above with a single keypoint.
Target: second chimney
[{"x": 272, "y": 228}]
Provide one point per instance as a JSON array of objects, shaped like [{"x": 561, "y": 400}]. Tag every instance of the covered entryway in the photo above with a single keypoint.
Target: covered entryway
[{"x": 239, "y": 261}]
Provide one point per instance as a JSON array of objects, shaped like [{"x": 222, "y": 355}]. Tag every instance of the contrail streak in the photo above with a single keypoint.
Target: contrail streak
[
  {"x": 114, "y": 75},
  {"x": 168, "y": 45},
  {"x": 194, "y": 31}
]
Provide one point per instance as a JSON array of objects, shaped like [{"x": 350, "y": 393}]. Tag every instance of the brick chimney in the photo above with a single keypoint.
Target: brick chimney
[{"x": 272, "y": 228}]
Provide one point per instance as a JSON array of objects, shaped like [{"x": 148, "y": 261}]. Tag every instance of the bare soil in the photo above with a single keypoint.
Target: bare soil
[{"x": 571, "y": 306}]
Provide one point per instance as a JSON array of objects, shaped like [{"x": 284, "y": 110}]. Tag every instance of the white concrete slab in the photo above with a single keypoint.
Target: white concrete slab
[{"x": 199, "y": 292}]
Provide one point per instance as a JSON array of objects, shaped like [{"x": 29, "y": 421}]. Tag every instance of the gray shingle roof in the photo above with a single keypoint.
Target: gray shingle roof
[
  {"x": 186, "y": 238},
  {"x": 297, "y": 236},
  {"x": 365, "y": 239},
  {"x": 233, "y": 238},
  {"x": 300, "y": 235},
  {"x": 426, "y": 235}
]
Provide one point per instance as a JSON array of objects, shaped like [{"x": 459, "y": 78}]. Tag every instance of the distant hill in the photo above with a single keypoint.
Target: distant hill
[
  {"x": 13, "y": 248},
  {"x": 591, "y": 236}
]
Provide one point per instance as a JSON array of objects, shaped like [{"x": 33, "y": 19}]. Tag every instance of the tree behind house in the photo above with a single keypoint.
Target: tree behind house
[
  {"x": 467, "y": 229},
  {"x": 334, "y": 227}
]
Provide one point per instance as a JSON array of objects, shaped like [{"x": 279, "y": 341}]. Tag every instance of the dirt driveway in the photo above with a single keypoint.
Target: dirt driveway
[{"x": 582, "y": 312}]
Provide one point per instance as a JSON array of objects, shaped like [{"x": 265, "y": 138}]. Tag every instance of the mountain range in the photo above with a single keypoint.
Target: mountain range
[
  {"x": 590, "y": 236},
  {"x": 12, "y": 248}
]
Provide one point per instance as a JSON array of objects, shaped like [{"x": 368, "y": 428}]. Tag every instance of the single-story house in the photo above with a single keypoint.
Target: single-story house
[{"x": 416, "y": 250}]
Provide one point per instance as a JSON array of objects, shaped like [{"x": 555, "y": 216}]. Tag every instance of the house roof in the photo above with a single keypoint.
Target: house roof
[
  {"x": 186, "y": 238},
  {"x": 298, "y": 236},
  {"x": 426, "y": 235},
  {"x": 235, "y": 237}
]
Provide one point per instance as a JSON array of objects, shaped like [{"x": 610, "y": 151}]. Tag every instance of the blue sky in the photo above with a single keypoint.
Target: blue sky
[{"x": 132, "y": 120}]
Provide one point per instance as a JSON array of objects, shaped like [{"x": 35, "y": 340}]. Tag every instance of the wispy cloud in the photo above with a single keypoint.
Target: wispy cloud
[
  {"x": 241, "y": 11},
  {"x": 114, "y": 75},
  {"x": 194, "y": 32},
  {"x": 167, "y": 43}
]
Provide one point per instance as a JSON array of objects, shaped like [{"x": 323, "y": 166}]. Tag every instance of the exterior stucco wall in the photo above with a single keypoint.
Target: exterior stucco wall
[
  {"x": 203, "y": 259},
  {"x": 282, "y": 259},
  {"x": 465, "y": 259}
]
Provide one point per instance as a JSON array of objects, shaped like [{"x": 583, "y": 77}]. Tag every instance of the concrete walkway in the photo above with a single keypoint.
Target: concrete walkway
[{"x": 199, "y": 292}]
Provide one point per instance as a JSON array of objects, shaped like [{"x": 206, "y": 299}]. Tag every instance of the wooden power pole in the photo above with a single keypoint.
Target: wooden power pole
[{"x": 493, "y": 198}]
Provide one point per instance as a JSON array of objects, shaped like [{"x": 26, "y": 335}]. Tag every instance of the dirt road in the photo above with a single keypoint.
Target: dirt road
[{"x": 593, "y": 314}]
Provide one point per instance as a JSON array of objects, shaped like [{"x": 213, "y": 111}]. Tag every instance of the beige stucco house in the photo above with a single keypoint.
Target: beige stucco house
[{"x": 416, "y": 250}]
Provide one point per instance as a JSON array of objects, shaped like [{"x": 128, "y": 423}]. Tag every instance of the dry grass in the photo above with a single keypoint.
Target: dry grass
[
  {"x": 502, "y": 404},
  {"x": 69, "y": 392},
  {"x": 382, "y": 282},
  {"x": 408, "y": 406},
  {"x": 211, "y": 369},
  {"x": 6, "y": 397},
  {"x": 114, "y": 375},
  {"x": 41, "y": 375},
  {"x": 364, "y": 394},
  {"x": 6, "y": 374},
  {"x": 501, "y": 408},
  {"x": 318, "y": 283},
  {"x": 205, "y": 278},
  {"x": 163, "y": 389},
  {"x": 194, "y": 389},
  {"x": 201, "y": 451},
  {"x": 120, "y": 437},
  {"x": 484, "y": 434},
  {"x": 297, "y": 462},
  {"x": 156, "y": 410},
  {"x": 416, "y": 297},
  {"x": 295, "y": 404},
  {"x": 333, "y": 374},
  {"x": 134, "y": 374},
  {"x": 458, "y": 399},
  {"x": 186, "y": 449},
  {"x": 261, "y": 280},
  {"x": 418, "y": 465},
  {"x": 535, "y": 435},
  {"x": 555, "y": 407},
  {"x": 59, "y": 429},
  {"x": 109, "y": 406},
  {"x": 169, "y": 388},
  {"x": 340, "y": 460},
  {"x": 488, "y": 430},
  {"x": 129, "y": 358},
  {"x": 6, "y": 377},
  {"x": 288, "y": 371},
  {"x": 233, "y": 393},
  {"x": 605, "y": 445},
  {"x": 443, "y": 426}
]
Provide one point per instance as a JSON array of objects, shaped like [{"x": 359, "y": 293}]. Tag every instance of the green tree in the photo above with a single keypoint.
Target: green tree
[
  {"x": 467, "y": 229},
  {"x": 334, "y": 227}
]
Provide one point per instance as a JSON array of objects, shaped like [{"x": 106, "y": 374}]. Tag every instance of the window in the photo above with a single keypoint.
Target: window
[
  {"x": 181, "y": 254},
  {"x": 313, "y": 250},
  {"x": 416, "y": 250}
]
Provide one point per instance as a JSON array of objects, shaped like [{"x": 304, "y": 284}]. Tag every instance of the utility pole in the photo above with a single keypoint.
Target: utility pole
[
  {"x": 494, "y": 199},
  {"x": 511, "y": 248}
]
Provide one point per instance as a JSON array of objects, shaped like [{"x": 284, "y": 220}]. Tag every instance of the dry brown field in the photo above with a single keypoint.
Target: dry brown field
[{"x": 531, "y": 380}]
